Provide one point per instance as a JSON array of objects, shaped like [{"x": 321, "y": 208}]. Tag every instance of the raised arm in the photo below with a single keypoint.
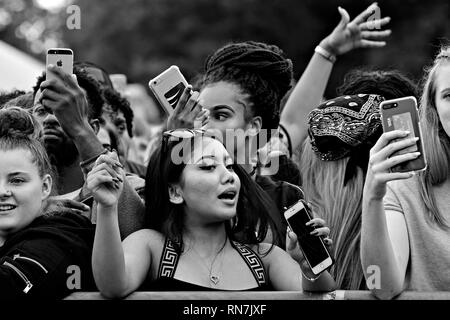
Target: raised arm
[
  {"x": 384, "y": 237},
  {"x": 310, "y": 89},
  {"x": 118, "y": 270}
]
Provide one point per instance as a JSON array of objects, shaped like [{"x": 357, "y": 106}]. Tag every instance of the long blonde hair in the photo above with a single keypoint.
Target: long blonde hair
[
  {"x": 435, "y": 140},
  {"x": 340, "y": 206}
]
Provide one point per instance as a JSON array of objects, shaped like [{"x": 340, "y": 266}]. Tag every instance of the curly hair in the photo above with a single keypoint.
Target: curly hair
[
  {"x": 119, "y": 103},
  {"x": 93, "y": 92},
  {"x": 262, "y": 71},
  {"x": 390, "y": 84},
  {"x": 7, "y": 96}
]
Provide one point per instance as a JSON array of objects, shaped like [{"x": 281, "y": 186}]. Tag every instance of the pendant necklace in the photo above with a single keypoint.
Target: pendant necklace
[{"x": 213, "y": 278}]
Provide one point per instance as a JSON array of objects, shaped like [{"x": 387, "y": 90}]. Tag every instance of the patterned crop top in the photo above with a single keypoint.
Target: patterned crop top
[{"x": 169, "y": 261}]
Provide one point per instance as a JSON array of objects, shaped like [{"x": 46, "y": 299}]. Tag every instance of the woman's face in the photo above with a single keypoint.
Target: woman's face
[
  {"x": 22, "y": 190},
  {"x": 209, "y": 187},
  {"x": 228, "y": 107},
  {"x": 442, "y": 97}
]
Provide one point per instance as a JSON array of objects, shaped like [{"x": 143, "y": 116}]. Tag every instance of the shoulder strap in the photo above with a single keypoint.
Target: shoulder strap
[
  {"x": 169, "y": 260},
  {"x": 253, "y": 261}
]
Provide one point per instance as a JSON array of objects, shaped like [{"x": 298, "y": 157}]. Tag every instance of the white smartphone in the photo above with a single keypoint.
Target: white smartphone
[
  {"x": 60, "y": 57},
  {"x": 313, "y": 248},
  {"x": 168, "y": 88}
]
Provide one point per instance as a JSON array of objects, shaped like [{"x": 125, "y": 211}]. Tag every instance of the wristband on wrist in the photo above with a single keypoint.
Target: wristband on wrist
[
  {"x": 326, "y": 54},
  {"x": 92, "y": 159}
]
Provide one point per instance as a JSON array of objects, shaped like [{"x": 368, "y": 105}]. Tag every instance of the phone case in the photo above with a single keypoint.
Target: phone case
[
  {"x": 402, "y": 114},
  {"x": 168, "y": 88},
  {"x": 60, "y": 57}
]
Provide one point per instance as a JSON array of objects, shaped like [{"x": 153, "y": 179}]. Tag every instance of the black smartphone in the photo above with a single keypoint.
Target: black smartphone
[
  {"x": 313, "y": 248},
  {"x": 402, "y": 114}
]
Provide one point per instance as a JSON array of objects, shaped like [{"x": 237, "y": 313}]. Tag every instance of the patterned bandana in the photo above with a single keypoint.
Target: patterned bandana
[{"x": 347, "y": 126}]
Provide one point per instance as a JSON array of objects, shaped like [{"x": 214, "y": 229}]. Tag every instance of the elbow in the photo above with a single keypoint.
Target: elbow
[
  {"x": 386, "y": 294},
  {"x": 111, "y": 292}
]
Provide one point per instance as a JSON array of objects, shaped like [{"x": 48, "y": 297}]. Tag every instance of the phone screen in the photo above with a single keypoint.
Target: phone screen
[
  {"x": 173, "y": 95},
  {"x": 311, "y": 245},
  {"x": 403, "y": 121}
]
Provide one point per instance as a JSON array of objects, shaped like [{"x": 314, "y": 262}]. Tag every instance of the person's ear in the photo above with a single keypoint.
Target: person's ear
[
  {"x": 95, "y": 124},
  {"x": 46, "y": 186},
  {"x": 175, "y": 194},
  {"x": 254, "y": 126}
]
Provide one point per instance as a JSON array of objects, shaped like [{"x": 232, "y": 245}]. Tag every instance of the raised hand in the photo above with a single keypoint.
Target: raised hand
[
  {"x": 358, "y": 33},
  {"x": 67, "y": 101},
  {"x": 293, "y": 248},
  {"x": 105, "y": 180},
  {"x": 188, "y": 113},
  {"x": 381, "y": 161}
]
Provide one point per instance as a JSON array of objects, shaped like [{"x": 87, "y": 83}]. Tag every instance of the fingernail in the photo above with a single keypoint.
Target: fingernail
[
  {"x": 309, "y": 223},
  {"x": 406, "y": 133},
  {"x": 118, "y": 164},
  {"x": 314, "y": 232},
  {"x": 51, "y": 66},
  {"x": 86, "y": 207},
  {"x": 416, "y": 138},
  {"x": 416, "y": 154}
]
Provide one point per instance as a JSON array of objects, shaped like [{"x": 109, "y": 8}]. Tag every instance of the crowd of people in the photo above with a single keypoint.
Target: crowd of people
[{"x": 75, "y": 190}]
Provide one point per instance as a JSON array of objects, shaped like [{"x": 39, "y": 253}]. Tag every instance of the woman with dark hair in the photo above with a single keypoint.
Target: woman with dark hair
[
  {"x": 240, "y": 93},
  {"x": 203, "y": 212},
  {"x": 38, "y": 248}
]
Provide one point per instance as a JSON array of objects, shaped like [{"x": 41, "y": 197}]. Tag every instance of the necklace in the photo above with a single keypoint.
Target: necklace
[{"x": 213, "y": 278}]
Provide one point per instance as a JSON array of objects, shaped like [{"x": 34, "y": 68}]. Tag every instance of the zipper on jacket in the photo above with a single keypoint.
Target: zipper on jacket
[
  {"x": 18, "y": 256},
  {"x": 20, "y": 273}
]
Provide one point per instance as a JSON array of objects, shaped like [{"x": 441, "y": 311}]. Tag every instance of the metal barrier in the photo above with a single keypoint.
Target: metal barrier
[{"x": 267, "y": 295}]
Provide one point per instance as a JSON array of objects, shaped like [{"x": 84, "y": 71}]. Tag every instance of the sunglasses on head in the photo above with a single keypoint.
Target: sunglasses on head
[{"x": 178, "y": 135}]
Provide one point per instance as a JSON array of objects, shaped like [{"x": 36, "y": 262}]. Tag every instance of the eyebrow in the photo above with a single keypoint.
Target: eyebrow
[
  {"x": 226, "y": 158},
  {"x": 17, "y": 173}
]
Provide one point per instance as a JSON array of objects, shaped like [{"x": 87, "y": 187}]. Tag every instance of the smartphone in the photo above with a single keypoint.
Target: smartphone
[
  {"x": 168, "y": 88},
  {"x": 89, "y": 201},
  {"x": 313, "y": 248},
  {"x": 402, "y": 114},
  {"x": 60, "y": 57}
]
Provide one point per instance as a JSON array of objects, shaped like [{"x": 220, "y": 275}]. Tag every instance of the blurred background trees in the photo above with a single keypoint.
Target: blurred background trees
[{"x": 140, "y": 38}]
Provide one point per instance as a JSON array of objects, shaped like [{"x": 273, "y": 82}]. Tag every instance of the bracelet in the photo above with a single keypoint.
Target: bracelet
[
  {"x": 92, "y": 159},
  {"x": 326, "y": 54}
]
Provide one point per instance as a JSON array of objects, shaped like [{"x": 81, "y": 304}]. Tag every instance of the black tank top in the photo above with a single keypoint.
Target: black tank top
[{"x": 169, "y": 261}]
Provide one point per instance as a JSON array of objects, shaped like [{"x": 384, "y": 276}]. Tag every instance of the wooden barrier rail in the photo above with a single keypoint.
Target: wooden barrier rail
[{"x": 267, "y": 295}]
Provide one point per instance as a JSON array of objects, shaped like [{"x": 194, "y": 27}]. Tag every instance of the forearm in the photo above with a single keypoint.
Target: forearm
[
  {"x": 108, "y": 262},
  {"x": 306, "y": 95},
  {"x": 324, "y": 283},
  {"x": 87, "y": 143},
  {"x": 377, "y": 251}
]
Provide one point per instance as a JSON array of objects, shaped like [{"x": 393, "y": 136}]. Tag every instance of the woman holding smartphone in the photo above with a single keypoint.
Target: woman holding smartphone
[
  {"x": 406, "y": 216},
  {"x": 201, "y": 214}
]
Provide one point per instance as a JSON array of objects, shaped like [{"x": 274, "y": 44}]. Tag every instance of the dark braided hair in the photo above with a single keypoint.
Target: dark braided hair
[
  {"x": 390, "y": 84},
  {"x": 262, "y": 71}
]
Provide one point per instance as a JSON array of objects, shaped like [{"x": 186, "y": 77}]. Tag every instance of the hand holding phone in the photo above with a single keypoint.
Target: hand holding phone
[
  {"x": 314, "y": 250},
  {"x": 402, "y": 114},
  {"x": 61, "y": 58}
]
